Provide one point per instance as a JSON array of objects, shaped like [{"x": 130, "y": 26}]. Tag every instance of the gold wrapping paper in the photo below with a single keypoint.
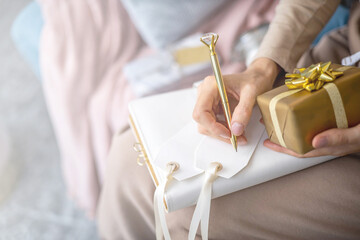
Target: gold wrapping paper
[{"x": 304, "y": 114}]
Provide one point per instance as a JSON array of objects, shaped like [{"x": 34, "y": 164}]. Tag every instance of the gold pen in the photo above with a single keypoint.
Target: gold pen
[{"x": 210, "y": 39}]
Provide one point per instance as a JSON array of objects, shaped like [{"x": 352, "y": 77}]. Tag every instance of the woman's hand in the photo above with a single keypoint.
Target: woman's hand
[
  {"x": 244, "y": 87},
  {"x": 334, "y": 142}
]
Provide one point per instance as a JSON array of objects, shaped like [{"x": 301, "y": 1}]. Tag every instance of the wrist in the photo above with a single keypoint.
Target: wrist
[{"x": 265, "y": 68}]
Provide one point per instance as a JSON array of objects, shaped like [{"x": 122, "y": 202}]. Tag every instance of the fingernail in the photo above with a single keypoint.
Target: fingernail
[
  {"x": 237, "y": 129},
  {"x": 224, "y": 136},
  {"x": 322, "y": 142}
]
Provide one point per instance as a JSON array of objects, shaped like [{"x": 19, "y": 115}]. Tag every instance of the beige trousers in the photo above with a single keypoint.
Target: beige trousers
[{"x": 321, "y": 202}]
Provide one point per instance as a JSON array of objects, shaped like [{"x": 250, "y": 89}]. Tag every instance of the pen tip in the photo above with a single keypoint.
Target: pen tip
[{"x": 234, "y": 142}]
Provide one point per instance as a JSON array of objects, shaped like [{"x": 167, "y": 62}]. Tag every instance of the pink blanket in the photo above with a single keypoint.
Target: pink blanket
[{"x": 84, "y": 46}]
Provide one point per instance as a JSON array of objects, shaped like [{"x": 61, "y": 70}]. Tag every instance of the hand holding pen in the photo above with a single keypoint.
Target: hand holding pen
[
  {"x": 210, "y": 40},
  {"x": 244, "y": 87}
]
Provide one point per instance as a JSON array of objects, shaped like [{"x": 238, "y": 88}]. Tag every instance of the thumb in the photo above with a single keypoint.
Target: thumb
[
  {"x": 242, "y": 113},
  {"x": 336, "y": 137}
]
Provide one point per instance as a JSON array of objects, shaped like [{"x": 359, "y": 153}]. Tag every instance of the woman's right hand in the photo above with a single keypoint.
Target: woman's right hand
[{"x": 244, "y": 87}]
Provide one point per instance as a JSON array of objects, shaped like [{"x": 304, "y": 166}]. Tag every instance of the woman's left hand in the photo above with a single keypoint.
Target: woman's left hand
[{"x": 334, "y": 142}]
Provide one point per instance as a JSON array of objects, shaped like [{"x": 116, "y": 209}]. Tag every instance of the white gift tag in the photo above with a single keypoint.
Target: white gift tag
[
  {"x": 180, "y": 149},
  {"x": 213, "y": 150}
]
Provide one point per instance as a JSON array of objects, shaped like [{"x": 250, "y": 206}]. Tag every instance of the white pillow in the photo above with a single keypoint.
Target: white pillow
[{"x": 161, "y": 22}]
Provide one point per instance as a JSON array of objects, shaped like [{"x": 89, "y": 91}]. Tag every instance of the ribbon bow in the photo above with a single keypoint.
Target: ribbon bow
[{"x": 311, "y": 78}]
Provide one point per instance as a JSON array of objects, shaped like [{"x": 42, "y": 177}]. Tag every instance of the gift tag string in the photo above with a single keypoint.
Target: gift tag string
[
  {"x": 159, "y": 204},
  {"x": 202, "y": 210}
]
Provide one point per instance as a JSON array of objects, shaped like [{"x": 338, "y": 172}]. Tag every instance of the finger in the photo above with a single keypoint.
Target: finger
[
  {"x": 203, "y": 110},
  {"x": 208, "y": 121},
  {"x": 241, "y": 140},
  {"x": 206, "y": 95},
  {"x": 345, "y": 150},
  {"x": 314, "y": 153},
  {"x": 242, "y": 112},
  {"x": 204, "y": 131},
  {"x": 278, "y": 148},
  {"x": 337, "y": 137}
]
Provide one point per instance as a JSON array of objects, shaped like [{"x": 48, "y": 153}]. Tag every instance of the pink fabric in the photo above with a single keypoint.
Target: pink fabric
[{"x": 84, "y": 46}]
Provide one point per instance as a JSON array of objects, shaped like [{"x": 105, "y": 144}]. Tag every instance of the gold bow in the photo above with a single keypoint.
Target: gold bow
[{"x": 311, "y": 78}]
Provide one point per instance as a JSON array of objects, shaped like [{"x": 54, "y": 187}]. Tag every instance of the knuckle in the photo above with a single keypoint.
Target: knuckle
[
  {"x": 196, "y": 115},
  {"x": 209, "y": 79},
  {"x": 249, "y": 87},
  {"x": 208, "y": 83}
]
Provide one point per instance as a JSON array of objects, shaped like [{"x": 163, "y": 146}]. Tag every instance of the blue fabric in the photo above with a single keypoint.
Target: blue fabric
[
  {"x": 339, "y": 19},
  {"x": 26, "y": 31}
]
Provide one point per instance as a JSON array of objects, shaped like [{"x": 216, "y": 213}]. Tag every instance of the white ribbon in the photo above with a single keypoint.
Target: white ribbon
[
  {"x": 202, "y": 210},
  {"x": 159, "y": 204},
  {"x": 351, "y": 60}
]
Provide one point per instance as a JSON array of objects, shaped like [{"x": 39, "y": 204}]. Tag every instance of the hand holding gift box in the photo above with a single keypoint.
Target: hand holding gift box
[{"x": 321, "y": 97}]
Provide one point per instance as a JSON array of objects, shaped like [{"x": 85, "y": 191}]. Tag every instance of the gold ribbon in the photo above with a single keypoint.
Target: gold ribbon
[{"x": 311, "y": 79}]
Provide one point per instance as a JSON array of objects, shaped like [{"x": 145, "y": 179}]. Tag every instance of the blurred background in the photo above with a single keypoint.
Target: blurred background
[
  {"x": 33, "y": 200},
  {"x": 34, "y": 203}
]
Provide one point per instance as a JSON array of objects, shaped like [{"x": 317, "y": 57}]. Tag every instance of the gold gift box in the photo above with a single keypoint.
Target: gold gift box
[{"x": 304, "y": 114}]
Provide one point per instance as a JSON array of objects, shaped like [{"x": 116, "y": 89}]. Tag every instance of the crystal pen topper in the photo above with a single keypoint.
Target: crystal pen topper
[{"x": 210, "y": 39}]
